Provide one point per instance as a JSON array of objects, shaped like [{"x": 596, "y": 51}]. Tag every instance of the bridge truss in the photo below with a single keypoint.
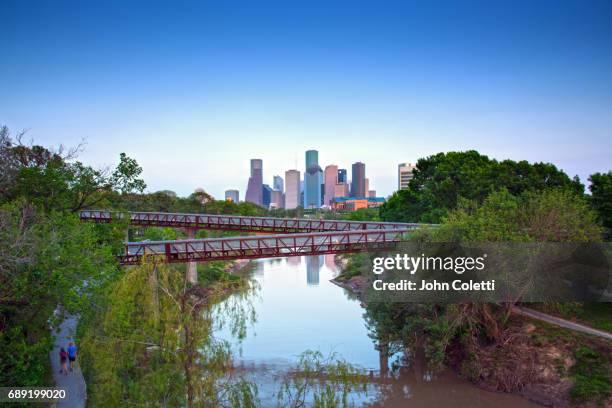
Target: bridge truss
[{"x": 217, "y": 249}]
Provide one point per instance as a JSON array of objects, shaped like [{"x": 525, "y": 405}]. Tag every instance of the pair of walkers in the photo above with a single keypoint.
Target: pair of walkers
[{"x": 70, "y": 354}]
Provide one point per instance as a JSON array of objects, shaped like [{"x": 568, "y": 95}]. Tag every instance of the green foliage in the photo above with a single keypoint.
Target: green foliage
[
  {"x": 321, "y": 382},
  {"x": 556, "y": 215},
  {"x": 125, "y": 177},
  {"x": 601, "y": 197},
  {"x": 592, "y": 376},
  {"x": 440, "y": 181},
  {"x": 149, "y": 343},
  {"x": 553, "y": 215},
  {"x": 47, "y": 261}
]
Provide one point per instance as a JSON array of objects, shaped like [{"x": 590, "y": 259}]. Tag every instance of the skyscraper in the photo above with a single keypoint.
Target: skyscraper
[
  {"x": 342, "y": 176},
  {"x": 232, "y": 195},
  {"x": 404, "y": 175},
  {"x": 254, "y": 193},
  {"x": 292, "y": 185},
  {"x": 266, "y": 195},
  {"x": 276, "y": 199},
  {"x": 331, "y": 179},
  {"x": 313, "y": 178},
  {"x": 358, "y": 182},
  {"x": 278, "y": 184}
]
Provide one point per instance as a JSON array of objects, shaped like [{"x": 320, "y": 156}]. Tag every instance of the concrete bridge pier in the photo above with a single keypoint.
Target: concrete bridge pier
[{"x": 192, "y": 267}]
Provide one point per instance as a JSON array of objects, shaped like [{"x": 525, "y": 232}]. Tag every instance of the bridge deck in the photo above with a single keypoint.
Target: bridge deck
[
  {"x": 213, "y": 249},
  {"x": 240, "y": 223}
]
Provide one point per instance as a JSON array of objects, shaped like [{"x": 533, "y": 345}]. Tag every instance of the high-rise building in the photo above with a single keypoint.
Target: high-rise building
[
  {"x": 358, "y": 182},
  {"x": 276, "y": 199},
  {"x": 404, "y": 175},
  {"x": 292, "y": 185},
  {"x": 342, "y": 176},
  {"x": 232, "y": 195},
  {"x": 278, "y": 184},
  {"x": 254, "y": 193},
  {"x": 313, "y": 179},
  {"x": 266, "y": 195},
  {"x": 367, "y": 187},
  {"x": 331, "y": 179},
  {"x": 341, "y": 190},
  {"x": 372, "y": 193}
]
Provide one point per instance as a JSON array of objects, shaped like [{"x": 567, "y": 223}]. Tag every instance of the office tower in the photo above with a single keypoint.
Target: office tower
[
  {"x": 341, "y": 190},
  {"x": 371, "y": 193},
  {"x": 404, "y": 175},
  {"x": 266, "y": 195},
  {"x": 367, "y": 186},
  {"x": 232, "y": 195},
  {"x": 358, "y": 188},
  {"x": 292, "y": 185},
  {"x": 331, "y": 179},
  {"x": 277, "y": 184},
  {"x": 254, "y": 193},
  {"x": 276, "y": 199},
  {"x": 342, "y": 176},
  {"x": 313, "y": 178}
]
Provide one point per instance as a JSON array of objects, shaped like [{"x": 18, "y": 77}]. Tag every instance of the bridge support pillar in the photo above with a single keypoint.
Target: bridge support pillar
[{"x": 192, "y": 267}]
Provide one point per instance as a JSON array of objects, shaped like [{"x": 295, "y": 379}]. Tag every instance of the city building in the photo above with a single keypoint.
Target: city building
[
  {"x": 276, "y": 199},
  {"x": 292, "y": 186},
  {"x": 371, "y": 193},
  {"x": 277, "y": 184},
  {"x": 358, "y": 182},
  {"x": 331, "y": 179},
  {"x": 367, "y": 187},
  {"x": 266, "y": 195},
  {"x": 342, "y": 176},
  {"x": 313, "y": 179},
  {"x": 254, "y": 193},
  {"x": 355, "y": 203},
  {"x": 341, "y": 190},
  {"x": 404, "y": 175},
  {"x": 232, "y": 195}
]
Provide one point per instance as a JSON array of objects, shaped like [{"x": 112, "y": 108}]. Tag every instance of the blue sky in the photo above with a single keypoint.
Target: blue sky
[{"x": 193, "y": 90}]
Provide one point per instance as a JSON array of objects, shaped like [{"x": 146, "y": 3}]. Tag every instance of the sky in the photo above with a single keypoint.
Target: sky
[{"x": 193, "y": 90}]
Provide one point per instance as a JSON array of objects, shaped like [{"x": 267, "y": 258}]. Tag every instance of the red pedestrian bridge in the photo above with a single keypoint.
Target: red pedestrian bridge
[
  {"x": 239, "y": 223},
  {"x": 268, "y": 246},
  {"x": 292, "y": 237}
]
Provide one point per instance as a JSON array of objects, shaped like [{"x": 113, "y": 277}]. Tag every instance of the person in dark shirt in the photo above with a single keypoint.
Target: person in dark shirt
[
  {"x": 63, "y": 357},
  {"x": 72, "y": 354}
]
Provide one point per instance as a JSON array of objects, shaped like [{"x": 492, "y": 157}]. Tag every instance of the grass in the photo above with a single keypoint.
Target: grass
[{"x": 591, "y": 375}]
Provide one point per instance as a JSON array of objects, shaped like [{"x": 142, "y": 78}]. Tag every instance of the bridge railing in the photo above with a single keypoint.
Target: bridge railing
[
  {"x": 210, "y": 249},
  {"x": 241, "y": 223}
]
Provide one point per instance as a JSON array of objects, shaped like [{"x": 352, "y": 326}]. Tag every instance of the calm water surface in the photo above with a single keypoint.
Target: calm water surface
[{"x": 297, "y": 308}]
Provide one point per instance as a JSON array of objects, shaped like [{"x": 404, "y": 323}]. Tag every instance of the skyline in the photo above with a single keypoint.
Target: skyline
[{"x": 193, "y": 92}]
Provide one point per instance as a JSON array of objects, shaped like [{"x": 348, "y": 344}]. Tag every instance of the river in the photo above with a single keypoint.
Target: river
[{"x": 296, "y": 308}]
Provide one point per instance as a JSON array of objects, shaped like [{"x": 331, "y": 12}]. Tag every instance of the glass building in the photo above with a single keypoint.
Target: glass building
[{"x": 313, "y": 180}]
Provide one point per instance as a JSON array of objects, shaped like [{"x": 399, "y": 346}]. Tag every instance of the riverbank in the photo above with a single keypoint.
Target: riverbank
[{"x": 549, "y": 365}]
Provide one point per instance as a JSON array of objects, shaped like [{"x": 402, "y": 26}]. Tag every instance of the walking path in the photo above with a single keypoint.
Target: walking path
[
  {"x": 557, "y": 321},
  {"x": 73, "y": 383}
]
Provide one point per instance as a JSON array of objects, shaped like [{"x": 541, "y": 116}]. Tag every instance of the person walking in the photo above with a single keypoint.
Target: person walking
[
  {"x": 72, "y": 354},
  {"x": 63, "y": 358}
]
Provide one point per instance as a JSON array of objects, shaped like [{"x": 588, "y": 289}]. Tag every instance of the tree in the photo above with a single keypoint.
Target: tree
[
  {"x": 601, "y": 197},
  {"x": 125, "y": 177},
  {"x": 440, "y": 181}
]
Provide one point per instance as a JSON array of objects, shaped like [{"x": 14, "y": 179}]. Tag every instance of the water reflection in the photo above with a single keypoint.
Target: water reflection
[
  {"x": 287, "y": 315},
  {"x": 313, "y": 267}
]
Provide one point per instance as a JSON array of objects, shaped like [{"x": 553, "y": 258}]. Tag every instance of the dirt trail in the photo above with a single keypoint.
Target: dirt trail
[{"x": 557, "y": 321}]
